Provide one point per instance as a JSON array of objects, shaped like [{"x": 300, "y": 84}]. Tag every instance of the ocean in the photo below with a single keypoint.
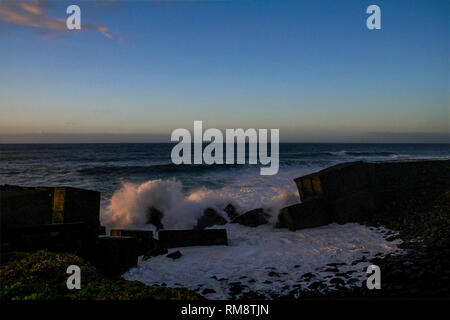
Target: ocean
[
  {"x": 109, "y": 168},
  {"x": 133, "y": 177}
]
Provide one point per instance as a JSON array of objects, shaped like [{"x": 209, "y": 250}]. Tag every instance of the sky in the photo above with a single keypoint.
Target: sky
[{"x": 137, "y": 70}]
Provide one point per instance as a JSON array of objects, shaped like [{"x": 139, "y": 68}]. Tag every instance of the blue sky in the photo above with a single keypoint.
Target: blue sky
[{"x": 139, "y": 69}]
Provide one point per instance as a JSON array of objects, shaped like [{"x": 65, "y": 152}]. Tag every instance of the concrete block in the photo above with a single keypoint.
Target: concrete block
[
  {"x": 32, "y": 206},
  {"x": 310, "y": 214},
  {"x": 144, "y": 238},
  {"x": 354, "y": 207},
  {"x": 115, "y": 255},
  {"x": 333, "y": 182}
]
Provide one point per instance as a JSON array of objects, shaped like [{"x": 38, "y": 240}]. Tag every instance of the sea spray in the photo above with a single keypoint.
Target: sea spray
[{"x": 129, "y": 205}]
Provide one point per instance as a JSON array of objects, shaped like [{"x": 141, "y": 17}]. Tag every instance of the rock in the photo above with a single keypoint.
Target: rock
[
  {"x": 315, "y": 285},
  {"x": 174, "y": 255},
  {"x": 154, "y": 217},
  {"x": 337, "y": 281},
  {"x": 313, "y": 213},
  {"x": 342, "y": 275},
  {"x": 352, "y": 280},
  {"x": 236, "y": 288},
  {"x": 207, "y": 291},
  {"x": 363, "y": 259},
  {"x": 186, "y": 238},
  {"x": 231, "y": 211},
  {"x": 308, "y": 275},
  {"x": 158, "y": 250},
  {"x": 252, "y": 218},
  {"x": 210, "y": 218},
  {"x": 336, "y": 264}
]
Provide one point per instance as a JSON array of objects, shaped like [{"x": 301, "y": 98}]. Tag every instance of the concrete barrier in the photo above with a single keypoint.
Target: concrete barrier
[
  {"x": 353, "y": 191},
  {"x": 310, "y": 214},
  {"x": 333, "y": 182},
  {"x": 144, "y": 238},
  {"x": 32, "y": 206},
  {"x": 55, "y": 237},
  {"x": 115, "y": 255},
  {"x": 186, "y": 238}
]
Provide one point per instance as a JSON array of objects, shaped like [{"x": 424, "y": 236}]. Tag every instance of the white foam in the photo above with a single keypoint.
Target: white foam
[
  {"x": 129, "y": 204},
  {"x": 254, "y": 252}
]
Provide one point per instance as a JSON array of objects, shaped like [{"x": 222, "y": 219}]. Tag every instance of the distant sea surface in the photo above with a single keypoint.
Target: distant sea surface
[{"x": 104, "y": 167}]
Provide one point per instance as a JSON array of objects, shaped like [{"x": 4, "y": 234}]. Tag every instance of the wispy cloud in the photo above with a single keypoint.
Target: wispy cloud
[{"x": 33, "y": 13}]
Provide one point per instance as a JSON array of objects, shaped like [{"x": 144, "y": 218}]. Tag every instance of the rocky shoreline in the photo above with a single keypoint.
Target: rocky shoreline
[{"x": 423, "y": 223}]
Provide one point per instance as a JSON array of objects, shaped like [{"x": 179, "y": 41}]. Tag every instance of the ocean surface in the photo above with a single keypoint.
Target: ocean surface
[
  {"x": 115, "y": 168},
  {"x": 270, "y": 261}
]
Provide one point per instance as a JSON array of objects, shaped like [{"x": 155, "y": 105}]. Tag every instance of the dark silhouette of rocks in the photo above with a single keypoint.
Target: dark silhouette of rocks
[
  {"x": 231, "y": 211},
  {"x": 154, "y": 217},
  {"x": 210, "y": 218},
  {"x": 252, "y": 218}
]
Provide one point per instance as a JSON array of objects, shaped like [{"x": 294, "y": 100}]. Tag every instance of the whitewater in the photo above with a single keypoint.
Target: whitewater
[{"x": 266, "y": 260}]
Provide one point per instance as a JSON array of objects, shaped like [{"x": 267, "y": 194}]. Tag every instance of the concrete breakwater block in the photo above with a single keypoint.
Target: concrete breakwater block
[
  {"x": 144, "y": 238},
  {"x": 32, "y": 206},
  {"x": 55, "y": 237},
  {"x": 115, "y": 255},
  {"x": 333, "y": 182},
  {"x": 310, "y": 214},
  {"x": 355, "y": 191},
  {"x": 395, "y": 181},
  {"x": 353, "y": 207},
  {"x": 386, "y": 178},
  {"x": 186, "y": 238}
]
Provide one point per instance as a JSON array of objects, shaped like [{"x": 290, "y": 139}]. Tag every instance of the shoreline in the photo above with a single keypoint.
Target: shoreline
[{"x": 417, "y": 214}]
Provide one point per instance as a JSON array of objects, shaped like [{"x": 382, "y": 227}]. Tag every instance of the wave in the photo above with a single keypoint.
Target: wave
[
  {"x": 159, "y": 168},
  {"x": 340, "y": 153},
  {"x": 129, "y": 204},
  {"x": 294, "y": 159},
  {"x": 360, "y": 153}
]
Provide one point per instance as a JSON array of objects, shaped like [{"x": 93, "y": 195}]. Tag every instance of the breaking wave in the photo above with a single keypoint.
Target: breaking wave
[{"x": 129, "y": 204}]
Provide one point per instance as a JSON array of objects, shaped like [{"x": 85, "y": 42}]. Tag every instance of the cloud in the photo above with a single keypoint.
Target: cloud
[{"x": 32, "y": 13}]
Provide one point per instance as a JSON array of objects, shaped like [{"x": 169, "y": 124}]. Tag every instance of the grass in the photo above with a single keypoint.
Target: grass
[{"x": 42, "y": 276}]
